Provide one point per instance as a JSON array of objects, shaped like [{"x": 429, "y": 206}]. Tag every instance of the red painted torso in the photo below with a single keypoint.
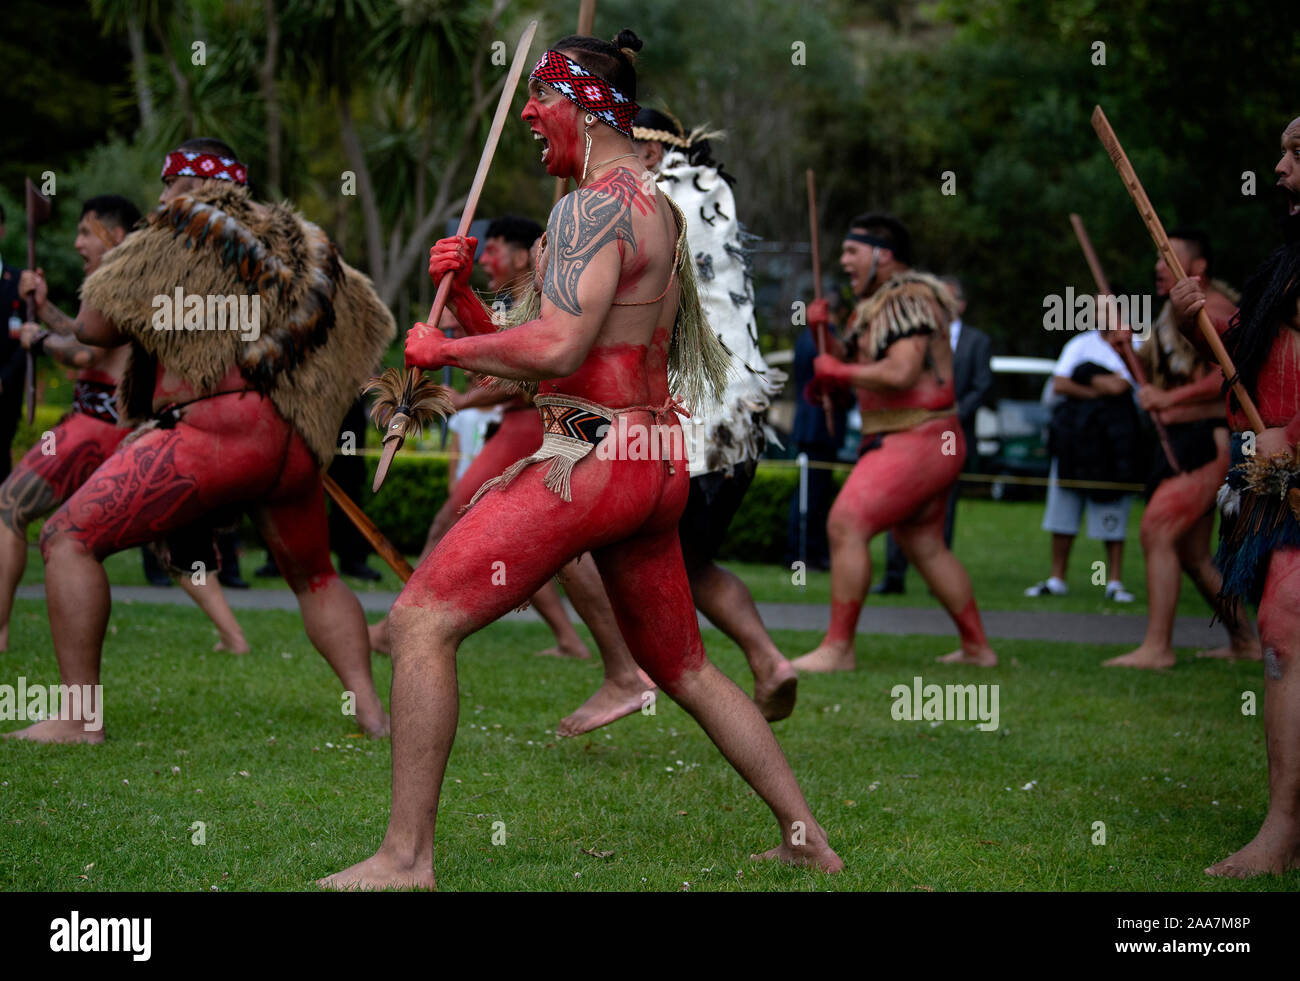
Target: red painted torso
[
  {"x": 929, "y": 392},
  {"x": 1277, "y": 391}
]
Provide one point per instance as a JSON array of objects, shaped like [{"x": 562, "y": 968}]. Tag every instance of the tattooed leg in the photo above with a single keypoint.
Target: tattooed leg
[
  {"x": 166, "y": 480},
  {"x": 506, "y": 545},
  {"x": 23, "y": 496},
  {"x": 46, "y": 476}
]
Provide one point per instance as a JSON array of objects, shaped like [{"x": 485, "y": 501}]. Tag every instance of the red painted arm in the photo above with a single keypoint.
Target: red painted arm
[
  {"x": 1293, "y": 430},
  {"x": 1205, "y": 389}
]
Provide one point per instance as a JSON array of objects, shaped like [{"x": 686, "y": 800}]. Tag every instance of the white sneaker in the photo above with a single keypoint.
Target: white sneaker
[
  {"x": 1115, "y": 591},
  {"x": 1048, "y": 587}
]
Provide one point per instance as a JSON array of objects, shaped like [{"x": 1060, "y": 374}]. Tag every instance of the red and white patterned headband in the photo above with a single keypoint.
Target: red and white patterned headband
[
  {"x": 585, "y": 90},
  {"x": 209, "y": 166}
]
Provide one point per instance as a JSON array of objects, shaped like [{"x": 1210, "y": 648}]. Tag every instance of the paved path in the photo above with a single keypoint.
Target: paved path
[{"x": 1083, "y": 628}]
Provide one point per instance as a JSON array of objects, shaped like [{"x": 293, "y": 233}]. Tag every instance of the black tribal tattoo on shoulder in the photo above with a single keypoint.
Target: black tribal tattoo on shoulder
[{"x": 581, "y": 225}]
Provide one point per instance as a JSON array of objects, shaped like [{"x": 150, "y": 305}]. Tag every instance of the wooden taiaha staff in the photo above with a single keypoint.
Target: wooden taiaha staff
[
  {"x": 411, "y": 398},
  {"x": 1134, "y": 366},
  {"x": 386, "y": 549},
  {"x": 814, "y": 237},
  {"x": 38, "y": 210},
  {"x": 586, "y": 18},
  {"x": 1149, "y": 217}
]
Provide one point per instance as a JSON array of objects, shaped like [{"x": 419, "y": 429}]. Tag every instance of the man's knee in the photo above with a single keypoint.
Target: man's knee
[
  {"x": 1155, "y": 533},
  {"x": 1279, "y": 614},
  {"x": 58, "y": 538},
  {"x": 1279, "y": 635},
  {"x": 425, "y": 626},
  {"x": 674, "y": 671},
  {"x": 12, "y": 518},
  {"x": 841, "y": 527},
  {"x": 309, "y": 583},
  {"x": 918, "y": 542},
  {"x": 24, "y": 497}
]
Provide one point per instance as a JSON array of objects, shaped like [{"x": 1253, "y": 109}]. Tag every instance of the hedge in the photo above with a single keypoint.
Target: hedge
[{"x": 416, "y": 487}]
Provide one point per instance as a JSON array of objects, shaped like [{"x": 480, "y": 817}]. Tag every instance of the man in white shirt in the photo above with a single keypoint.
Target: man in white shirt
[{"x": 1107, "y": 516}]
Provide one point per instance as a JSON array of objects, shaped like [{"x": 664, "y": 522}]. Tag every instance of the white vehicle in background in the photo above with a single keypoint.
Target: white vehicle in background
[{"x": 1011, "y": 437}]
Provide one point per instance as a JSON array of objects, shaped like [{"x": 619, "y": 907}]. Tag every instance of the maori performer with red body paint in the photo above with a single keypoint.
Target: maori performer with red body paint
[
  {"x": 508, "y": 260},
  {"x": 617, "y": 315},
  {"x": 1259, "y": 552},
  {"x": 240, "y": 403},
  {"x": 1185, "y": 390},
  {"x": 724, "y": 438},
  {"x": 83, "y": 439},
  {"x": 898, "y": 357}
]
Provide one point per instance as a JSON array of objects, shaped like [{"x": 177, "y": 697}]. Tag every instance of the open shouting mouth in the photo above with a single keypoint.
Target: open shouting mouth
[
  {"x": 1291, "y": 195},
  {"x": 546, "y": 144}
]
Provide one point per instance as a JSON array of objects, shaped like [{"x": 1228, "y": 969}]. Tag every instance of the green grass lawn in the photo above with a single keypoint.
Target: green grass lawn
[
  {"x": 1001, "y": 544},
  {"x": 1005, "y": 550},
  {"x": 257, "y": 749}
]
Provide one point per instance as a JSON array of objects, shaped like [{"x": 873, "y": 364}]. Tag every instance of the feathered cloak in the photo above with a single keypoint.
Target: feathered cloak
[
  {"x": 322, "y": 328},
  {"x": 724, "y": 432}
]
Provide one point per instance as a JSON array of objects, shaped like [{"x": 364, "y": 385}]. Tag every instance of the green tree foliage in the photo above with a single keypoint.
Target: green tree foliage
[{"x": 881, "y": 98}]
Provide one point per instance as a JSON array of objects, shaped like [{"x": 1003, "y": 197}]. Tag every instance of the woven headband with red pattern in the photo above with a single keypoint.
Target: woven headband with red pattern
[
  {"x": 586, "y": 91},
  {"x": 209, "y": 166}
]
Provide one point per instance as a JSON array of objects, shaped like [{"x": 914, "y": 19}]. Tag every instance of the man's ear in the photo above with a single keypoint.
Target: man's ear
[
  {"x": 1197, "y": 268},
  {"x": 117, "y": 234},
  {"x": 651, "y": 153}
]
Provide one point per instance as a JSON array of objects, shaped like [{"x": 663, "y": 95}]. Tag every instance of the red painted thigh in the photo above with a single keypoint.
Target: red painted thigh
[
  {"x": 1279, "y": 607},
  {"x": 518, "y": 535},
  {"x": 293, "y": 522},
  {"x": 519, "y": 435},
  {"x": 892, "y": 484},
  {"x": 645, "y": 578}
]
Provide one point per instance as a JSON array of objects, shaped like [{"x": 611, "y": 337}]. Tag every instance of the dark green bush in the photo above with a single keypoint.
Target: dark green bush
[
  {"x": 758, "y": 532},
  {"x": 416, "y": 486}
]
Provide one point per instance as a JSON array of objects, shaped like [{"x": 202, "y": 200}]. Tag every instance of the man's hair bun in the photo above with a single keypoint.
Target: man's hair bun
[{"x": 628, "y": 43}]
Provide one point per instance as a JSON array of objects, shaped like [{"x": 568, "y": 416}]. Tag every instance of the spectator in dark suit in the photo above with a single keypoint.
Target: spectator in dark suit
[
  {"x": 812, "y": 436},
  {"x": 972, "y": 353},
  {"x": 13, "y": 359}
]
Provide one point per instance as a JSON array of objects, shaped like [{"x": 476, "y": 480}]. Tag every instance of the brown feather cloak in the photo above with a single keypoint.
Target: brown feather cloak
[{"x": 322, "y": 328}]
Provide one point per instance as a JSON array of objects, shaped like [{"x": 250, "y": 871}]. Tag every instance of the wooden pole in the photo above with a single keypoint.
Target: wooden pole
[
  {"x": 38, "y": 210},
  {"x": 1090, "y": 254},
  {"x": 1134, "y": 366},
  {"x": 386, "y": 549},
  {"x": 814, "y": 237},
  {"x": 1149, "y": 217},
  {"x": 396, "y": 431}
]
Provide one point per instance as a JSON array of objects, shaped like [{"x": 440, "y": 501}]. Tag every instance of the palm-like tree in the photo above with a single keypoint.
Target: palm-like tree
[{"x": 129, "y": 17}]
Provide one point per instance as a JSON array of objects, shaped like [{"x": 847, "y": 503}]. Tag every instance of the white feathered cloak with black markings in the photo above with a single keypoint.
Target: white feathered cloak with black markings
[
  {"x": 323, "y": 329},
  {"x": 729, "y": 431}
]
